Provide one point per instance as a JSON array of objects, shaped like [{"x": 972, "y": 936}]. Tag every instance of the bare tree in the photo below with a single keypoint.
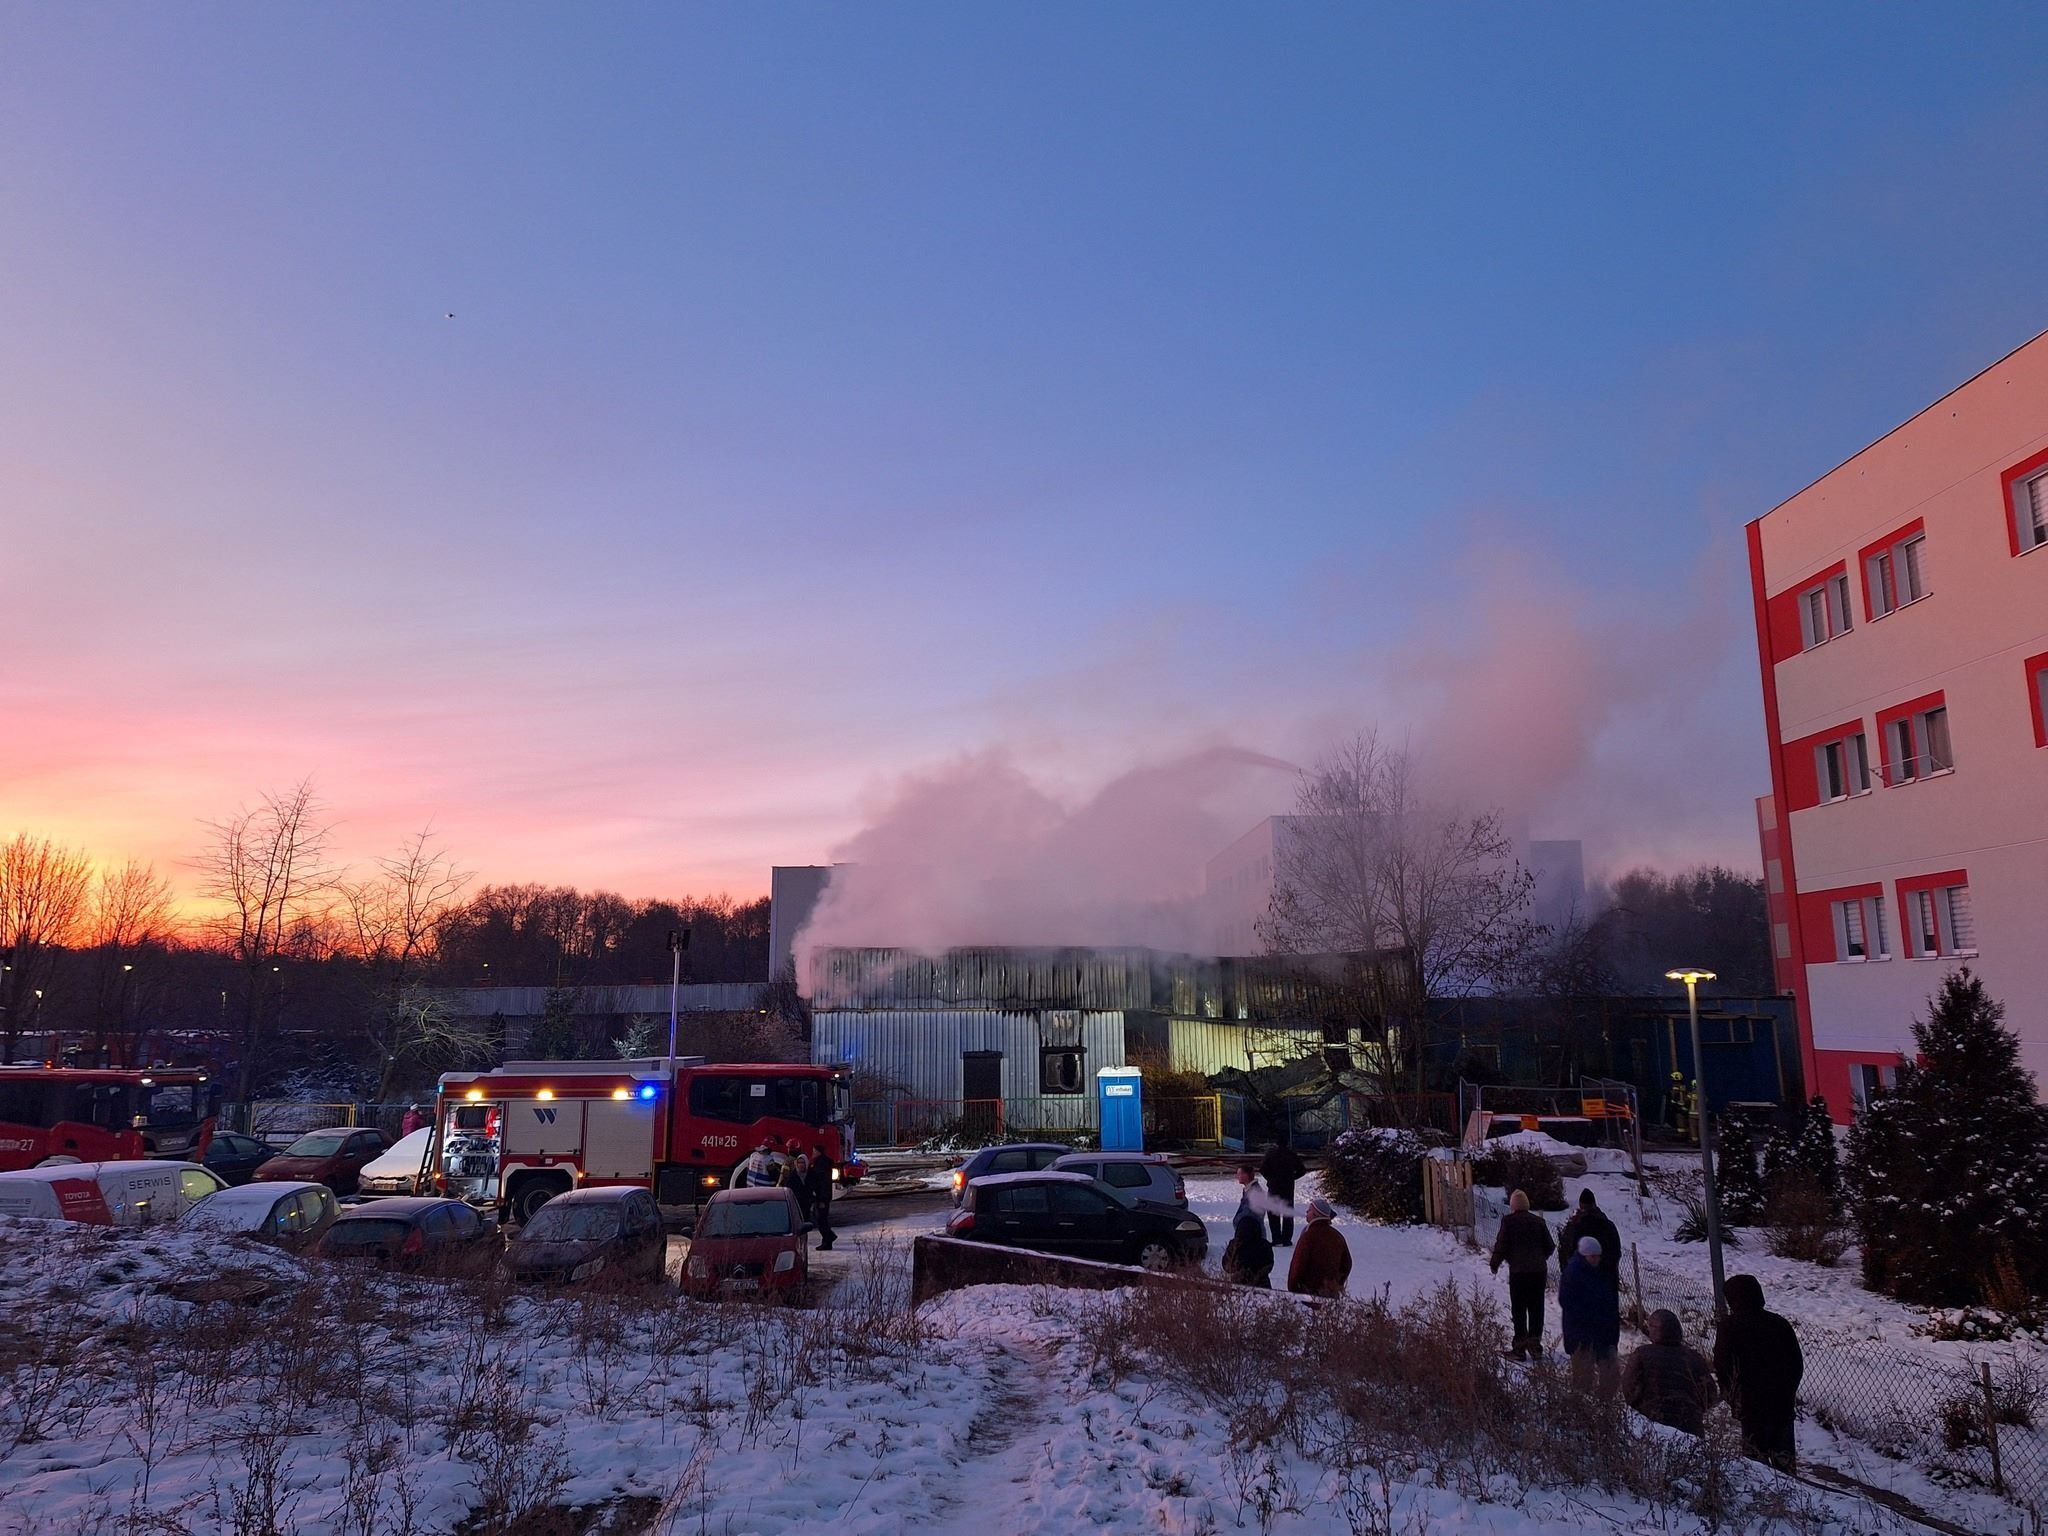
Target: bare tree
[
  {"x": 396, "y": 919},
  {"x": 128, "y": 920},
  {"x": 1368, "y": 864},
  {"x": 268, "y": 867},
  {"x": 43, "y": 888}
]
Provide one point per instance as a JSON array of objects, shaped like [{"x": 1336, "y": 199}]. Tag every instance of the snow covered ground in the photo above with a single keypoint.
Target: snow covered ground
[{"x": 351, "y": 1404}]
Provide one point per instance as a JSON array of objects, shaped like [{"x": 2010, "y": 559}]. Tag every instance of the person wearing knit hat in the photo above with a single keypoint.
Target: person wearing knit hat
[
  {"x": 1322, "y": 1259},
  {"x": 1524, "y": 1244},
  {"x": 1591, "y": 1309},
  {"x": 1590, "y": 1221}
]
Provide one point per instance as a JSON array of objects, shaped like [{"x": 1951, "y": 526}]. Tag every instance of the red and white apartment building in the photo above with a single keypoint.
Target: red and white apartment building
[{"x": 1902, "y": 624}]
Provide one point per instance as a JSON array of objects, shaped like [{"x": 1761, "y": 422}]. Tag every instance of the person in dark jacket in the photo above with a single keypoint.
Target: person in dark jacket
[
  {"x": 1322, "y": 1259},
  {"x": 1248, "y": 1259},
  {"x": 1667, "y": 1380},
  {"x": 1591, "y": 1310},
  {"x": 817, "y": 1195},
  {"x": 1590, "y": 1221},
  {"x": 1280, "y": 1168},
  {"x": 1758, "y": 1363},
  {"x": 1523, "y": 1243}
]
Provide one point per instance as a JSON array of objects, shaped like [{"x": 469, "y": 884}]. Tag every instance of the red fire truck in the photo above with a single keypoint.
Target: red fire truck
[
  {"x": 102, "y": 1115},
  {"x": 520, "y": 1134}
]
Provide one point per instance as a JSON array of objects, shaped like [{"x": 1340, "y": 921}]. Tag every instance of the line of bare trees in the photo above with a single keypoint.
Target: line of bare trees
[{"x": 296, "y": 961}]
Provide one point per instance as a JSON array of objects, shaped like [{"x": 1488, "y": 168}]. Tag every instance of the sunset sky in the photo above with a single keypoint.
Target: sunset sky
[{"x": 635, "y": 438}]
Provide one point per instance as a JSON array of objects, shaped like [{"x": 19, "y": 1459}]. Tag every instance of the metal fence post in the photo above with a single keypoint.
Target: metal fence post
[
  {"x": 1991, "y": 1427},
  {"x": 1635, "y": 1262}
]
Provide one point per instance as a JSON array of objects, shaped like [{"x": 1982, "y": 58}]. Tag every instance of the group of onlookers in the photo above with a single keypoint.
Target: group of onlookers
[
  {"x": 1757, "y": 1362},
  {"x": 1756, "y": 1365}
]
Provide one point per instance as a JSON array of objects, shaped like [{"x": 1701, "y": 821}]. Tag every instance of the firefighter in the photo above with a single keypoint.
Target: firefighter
[
  {"x": 818, "y": 1185},
  {"x": 1676, "y": 1095}
]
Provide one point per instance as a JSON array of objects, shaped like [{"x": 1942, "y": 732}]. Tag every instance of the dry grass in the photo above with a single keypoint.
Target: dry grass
[{"x": 1418, "y": 1393}]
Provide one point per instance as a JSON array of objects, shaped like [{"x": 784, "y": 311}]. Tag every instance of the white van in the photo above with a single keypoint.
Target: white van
[{"x": 125, "y": 1194}]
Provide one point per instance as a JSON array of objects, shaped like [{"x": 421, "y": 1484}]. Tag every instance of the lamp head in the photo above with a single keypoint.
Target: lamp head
[{"x": 1690, "y": 976}]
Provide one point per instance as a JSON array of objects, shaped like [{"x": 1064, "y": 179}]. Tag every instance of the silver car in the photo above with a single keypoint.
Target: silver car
[{"x": 1130, "y": 1176}]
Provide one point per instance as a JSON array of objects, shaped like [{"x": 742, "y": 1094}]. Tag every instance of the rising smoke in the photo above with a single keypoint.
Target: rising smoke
[{"x": 1568, "y": 711}]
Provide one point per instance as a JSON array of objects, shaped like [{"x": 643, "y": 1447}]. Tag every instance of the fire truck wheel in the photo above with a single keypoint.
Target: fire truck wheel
[{"x": 533, "y": 1194}]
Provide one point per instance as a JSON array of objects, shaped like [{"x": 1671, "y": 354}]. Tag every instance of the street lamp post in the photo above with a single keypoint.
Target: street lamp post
[{"x": 1692, "y": 977}]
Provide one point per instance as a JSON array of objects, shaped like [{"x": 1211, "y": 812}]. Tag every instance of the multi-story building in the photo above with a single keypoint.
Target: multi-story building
[{"x": 1902, "y": 624}]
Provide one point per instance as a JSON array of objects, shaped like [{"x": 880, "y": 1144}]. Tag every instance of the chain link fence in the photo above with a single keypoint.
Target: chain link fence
[{"x": 1974, "y": 1422}]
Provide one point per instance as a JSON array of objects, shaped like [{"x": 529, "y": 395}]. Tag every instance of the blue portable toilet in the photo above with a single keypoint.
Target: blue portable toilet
[{"x": 1120, "y": 1096}]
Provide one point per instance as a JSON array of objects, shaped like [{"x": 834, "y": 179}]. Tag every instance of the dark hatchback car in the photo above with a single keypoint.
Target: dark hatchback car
[
  {"x": 1069, "y": 1213},
  {"x": 590, "y": 1232},
  {"x": 1015, "y": 1157},
  {"x": 411, "y": 1233},
  {"x": 235, "y": 1157},
  {"x": 333, "y": 1157}
]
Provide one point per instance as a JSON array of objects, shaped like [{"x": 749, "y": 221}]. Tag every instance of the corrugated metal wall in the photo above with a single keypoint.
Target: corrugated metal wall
[
  {"x": 1008, "y": 978},
  {"x": 1209, "y": 1047},
  {"x": 921, "y": 1050},
  {"x": 530, "y": 1002}
]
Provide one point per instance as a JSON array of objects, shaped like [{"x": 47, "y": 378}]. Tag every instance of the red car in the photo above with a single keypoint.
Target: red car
[
  {"x": 332, "y": 1157},
  {"x": 749, "y": 1241}
]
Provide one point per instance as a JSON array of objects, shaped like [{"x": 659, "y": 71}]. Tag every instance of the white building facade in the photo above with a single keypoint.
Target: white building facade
[{"x": 1902, "y": 627}]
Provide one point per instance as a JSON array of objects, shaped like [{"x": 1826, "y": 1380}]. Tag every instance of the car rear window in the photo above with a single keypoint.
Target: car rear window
[
  {"x": 1022, "y": 1200},
  {"x": 1006, "y": 1162},
  {"x": 745, "y": 1218},
  {"x": 366, "y": 1234},
  {"x": 1045, "y": 1157}
]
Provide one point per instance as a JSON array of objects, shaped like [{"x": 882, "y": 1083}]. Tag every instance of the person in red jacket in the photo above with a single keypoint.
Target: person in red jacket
[{"x": 1322, "y": 1259}]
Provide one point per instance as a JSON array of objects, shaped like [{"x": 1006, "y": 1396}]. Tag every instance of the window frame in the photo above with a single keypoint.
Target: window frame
[
  {"x": 1939, "y": 891},
  {"x": 2035, "y": 670},
  {"x": 1891, "y": 551},
  {"x": 1869, "y": 909},
  {"x": 1832, "y": 588},
  {"x": 1862, "y": 1088},
  {"x": 2017, "y": 483},
  {"x": 1853, "y": 748},
  {"x": 1903, "y": 738}
]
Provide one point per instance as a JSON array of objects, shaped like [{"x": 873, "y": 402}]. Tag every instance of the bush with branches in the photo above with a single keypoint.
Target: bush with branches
[
  {"x": 1378, "y": 1172},
  {"x": 1522, "y": 1168}
]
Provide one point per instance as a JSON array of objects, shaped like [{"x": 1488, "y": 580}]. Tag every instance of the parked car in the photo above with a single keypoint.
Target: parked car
[
  {"x": 332, "y": 1157},
  {"x": 611, "y": 1231},
  {"x": 410, "y": 1232},
  {"x": 396, "y": 1171},
  {"x": 235, "y": 1157},
  {"x": 113, "y": 1194},
  {"x": 1129, "y": 1175},
  {"x": 1012, "y": 1157},
  {"x": 749, "y": 1240},
  {"x": 293, "y": 1216},
  {"x": 1069, "y": 1213}
]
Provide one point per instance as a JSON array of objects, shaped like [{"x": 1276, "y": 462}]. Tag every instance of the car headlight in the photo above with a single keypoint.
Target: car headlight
[
  {"x": 835, "y": 1175},
  {"x": 699, "y": 1270},
  {"x": 1190, "y": 1225},
  {"x": 785, "y": 1261},
  {"x": 586, "y": 1269}
]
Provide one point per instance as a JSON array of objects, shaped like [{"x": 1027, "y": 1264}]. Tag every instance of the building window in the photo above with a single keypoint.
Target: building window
[
  {"x": 1842, "y": 767},
  {"x": 1866, "y": 1082},
  {"x": 2037, "y": 695},
  {"x": 1895, "y": 573},
  {"x": 1916, "y": 741},
  {"x": 1824, "y": 610},
  {"x": 1859, "y": 930},
  {"x": 2030, "y": 510},
  {"x": 1059, "y": 1071},
  {"x": 1938, "y": 919}
]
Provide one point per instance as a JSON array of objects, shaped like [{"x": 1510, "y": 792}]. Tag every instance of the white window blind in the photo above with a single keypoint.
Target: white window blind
[
  {"x": 2034, "y": 513},
  {"x": 1852, "y": 929},
  {"x": 1962, "y": 924},
  {"x": 1914, "y": 568},
  {"x": 1926, "y": 936}
]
